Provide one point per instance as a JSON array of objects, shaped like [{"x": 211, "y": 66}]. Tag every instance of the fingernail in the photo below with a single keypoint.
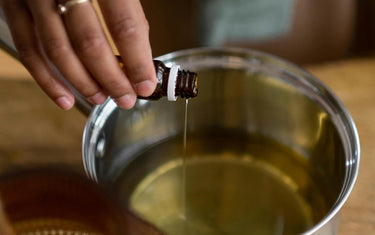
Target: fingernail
[
  {"x": 98, "y": 98},
  {"x": 64, "y": 103},
  {"x": 144, "y": 88},
  {"x": 127, "y": 101}
]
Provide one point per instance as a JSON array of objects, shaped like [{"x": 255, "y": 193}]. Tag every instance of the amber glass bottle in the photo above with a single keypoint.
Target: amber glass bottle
[{"x": 172, "y": 82}]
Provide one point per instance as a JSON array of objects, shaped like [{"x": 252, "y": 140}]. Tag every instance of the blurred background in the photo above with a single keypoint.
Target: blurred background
[{"x": 302, "y": 31}]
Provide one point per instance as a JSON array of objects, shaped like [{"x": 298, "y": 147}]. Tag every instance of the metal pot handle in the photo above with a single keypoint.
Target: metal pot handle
[{"x": 7, "y": 44}]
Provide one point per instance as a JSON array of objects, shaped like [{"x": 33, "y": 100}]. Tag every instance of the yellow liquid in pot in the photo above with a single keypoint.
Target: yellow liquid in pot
[{"x": 233, "y": 185}]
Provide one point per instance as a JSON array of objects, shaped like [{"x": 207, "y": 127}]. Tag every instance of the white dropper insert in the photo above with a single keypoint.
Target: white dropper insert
[{"x": 172, "y": 80}]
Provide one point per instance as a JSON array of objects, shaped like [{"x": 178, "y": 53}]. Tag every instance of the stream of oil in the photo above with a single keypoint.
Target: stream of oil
[{"x": 183, "y": 196}]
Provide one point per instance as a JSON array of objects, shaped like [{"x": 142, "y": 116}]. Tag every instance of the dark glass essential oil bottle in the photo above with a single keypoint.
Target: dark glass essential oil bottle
[{"x": 171, "y": 82}]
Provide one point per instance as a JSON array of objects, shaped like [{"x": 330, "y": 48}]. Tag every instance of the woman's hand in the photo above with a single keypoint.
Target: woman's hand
[{"x": 74, "y": 43}]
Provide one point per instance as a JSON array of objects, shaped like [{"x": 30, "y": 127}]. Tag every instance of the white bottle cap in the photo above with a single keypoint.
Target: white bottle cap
[{"x": 172, "y": 80}]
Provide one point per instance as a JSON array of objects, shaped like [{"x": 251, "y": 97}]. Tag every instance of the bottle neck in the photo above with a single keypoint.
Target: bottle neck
[
  {"x": 186, "y": 84},
  {"x": 171, "y": 82}
]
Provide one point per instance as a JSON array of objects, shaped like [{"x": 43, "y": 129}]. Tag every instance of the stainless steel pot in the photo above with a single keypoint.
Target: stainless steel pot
[{"x": 243, "y": 93}]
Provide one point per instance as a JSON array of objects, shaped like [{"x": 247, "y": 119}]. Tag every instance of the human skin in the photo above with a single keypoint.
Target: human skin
[{"x": 76, "y": 45}]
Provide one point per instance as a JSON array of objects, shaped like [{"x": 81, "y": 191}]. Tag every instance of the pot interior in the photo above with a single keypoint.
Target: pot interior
[{"x": 267, "y": 149}]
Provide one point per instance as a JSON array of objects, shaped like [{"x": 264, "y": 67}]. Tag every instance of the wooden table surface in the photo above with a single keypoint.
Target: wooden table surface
[{"x": 33, "y": 129}]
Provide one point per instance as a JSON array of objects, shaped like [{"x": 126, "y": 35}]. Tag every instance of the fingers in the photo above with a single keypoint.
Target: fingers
[
  {"x": 129, "y": 28},
  {"x": 76, "y": 45},
  {"x": 56, "y": 44},
  {"x": 31, "y": 53},
  {"x": 92, "y": 47}
]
